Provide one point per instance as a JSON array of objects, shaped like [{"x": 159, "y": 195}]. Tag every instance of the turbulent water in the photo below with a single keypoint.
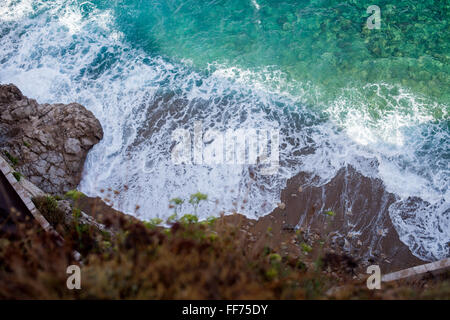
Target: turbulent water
[{"x": 338, "y": 92}]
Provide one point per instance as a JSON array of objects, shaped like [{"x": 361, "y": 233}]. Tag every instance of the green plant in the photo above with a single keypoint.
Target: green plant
[
  {"x": 17, "y": 175},
  {"x": 74, "y": 195},
  {"x": 153, "y": 223},
  {"x": 213, "y": 237},
  {"x": 274, "y": 258},
  {"x": 76, "y": 213},
  {"x": 106, "y": 244},
  {"x": 306, "y": 248},
  {"x": 196, "y": 198},
  {"x": 11, "y": 158},
  {"x": 269, "y": 232},
  {"x": 176, "y": 202},
  {"x": 48, "y": 207},
  {"x": 318, "y": 263},
  {"x": 172, "y": 218},
  {"x": 27, "y": 144},
  {"x": 106, "y": 235},
  {"x": 193, "y": 260},
  {"x": 82, "y": 230},
  {"x": 267, "y": 250},
  {"x": 189, "y": 218},
  {"x": 301, "y": 265},
  {"x": 211, "y": 220},
  {"x": 272, "y": 273}
]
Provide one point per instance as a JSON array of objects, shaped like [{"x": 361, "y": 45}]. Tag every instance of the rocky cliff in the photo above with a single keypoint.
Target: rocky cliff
[{"x": 47, "y": 143}]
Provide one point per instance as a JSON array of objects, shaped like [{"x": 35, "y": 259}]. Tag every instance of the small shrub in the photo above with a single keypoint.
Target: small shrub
[
  {"x": 153, "y": 223},
  {"x": 301, "y": 265},
  {"x": 48, "y": 206},
  {"x": 176, "y": 201},
  {"x": 17, "y": 175},
  {"x": 172, "y": 218},
  {"x": 271, "y": 274},
  {"x": 306, "y": 248},
  {"x": 106, "y": 235},
  {"x": 196, "y": 198},
  {"x": 213, "y": 237},
  {"x": 106, "y": 244},
  {"x": 274, "y": 258},
  {"x": 211, "y": 221},
  {"x": 267, "y": 250},
  {"x": 74, "y": 195},
  {"x": 189, "y": 218},
  {"x": 76, "y": 213},
  {"x": 11, "y": 158}
]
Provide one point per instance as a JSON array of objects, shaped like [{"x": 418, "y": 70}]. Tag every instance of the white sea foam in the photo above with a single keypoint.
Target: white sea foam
[
  {"x": 256, "y": 5},
  {"x": 63, "y": 54}
]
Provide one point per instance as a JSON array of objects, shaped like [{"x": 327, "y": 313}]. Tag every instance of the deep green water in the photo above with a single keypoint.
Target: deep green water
[{"x": 321, "y": 44}]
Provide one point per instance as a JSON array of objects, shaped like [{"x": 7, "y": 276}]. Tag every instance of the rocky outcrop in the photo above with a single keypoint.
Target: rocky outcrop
[
  {"x": 47, "y": 143},
  {"x": 67, "y": 207},
  {"x": 352, "y": 212}
]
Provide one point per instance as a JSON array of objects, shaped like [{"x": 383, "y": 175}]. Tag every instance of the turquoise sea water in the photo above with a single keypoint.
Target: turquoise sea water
[
  {"x": 339, "y": 93},
  {"x": 326, "y": 43}
]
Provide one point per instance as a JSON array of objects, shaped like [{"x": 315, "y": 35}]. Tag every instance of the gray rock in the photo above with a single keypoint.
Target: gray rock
[
  {"x": 72, "y": 146},
  {"x": 67, "y": 207},
  {"x": 51, "y": 141}
]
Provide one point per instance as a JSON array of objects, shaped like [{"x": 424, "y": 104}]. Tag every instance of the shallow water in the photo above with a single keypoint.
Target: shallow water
[{"x": 338, "y": 92}]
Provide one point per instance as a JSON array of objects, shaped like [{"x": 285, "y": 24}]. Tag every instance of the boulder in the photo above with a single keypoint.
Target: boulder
[{"x": 49, "y": 141}]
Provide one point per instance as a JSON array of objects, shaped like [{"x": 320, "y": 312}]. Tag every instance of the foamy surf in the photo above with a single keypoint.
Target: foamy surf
[{"x": 63, "y": 51}]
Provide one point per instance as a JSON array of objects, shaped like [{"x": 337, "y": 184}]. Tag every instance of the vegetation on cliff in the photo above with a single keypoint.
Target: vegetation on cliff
[{"x": 183, "y": 260}]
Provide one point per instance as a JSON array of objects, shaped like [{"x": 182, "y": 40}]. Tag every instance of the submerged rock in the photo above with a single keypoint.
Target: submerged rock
[{"x": 48, "y": 142}]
